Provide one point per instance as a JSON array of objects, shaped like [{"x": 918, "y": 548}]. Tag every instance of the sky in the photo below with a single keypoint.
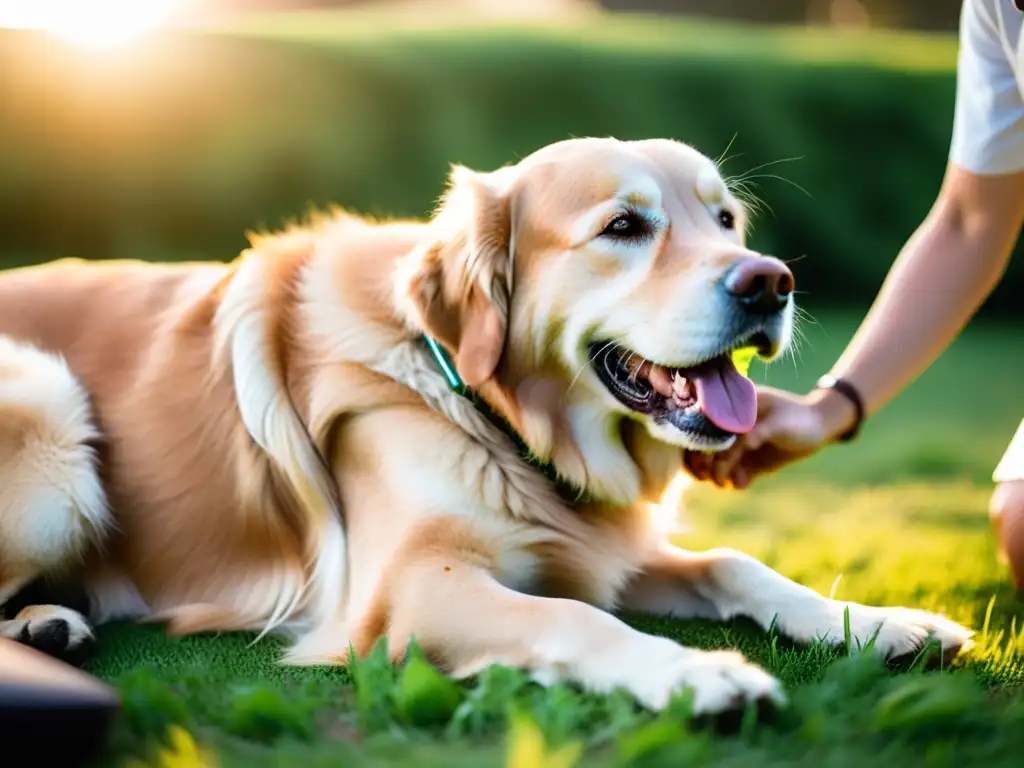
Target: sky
[{"x": 97, "y": 22}]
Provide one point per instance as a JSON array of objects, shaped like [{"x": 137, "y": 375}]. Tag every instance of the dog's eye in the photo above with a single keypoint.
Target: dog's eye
[
  {"x": 726, "y": 219},
  {"x": 627, "y": 226}
]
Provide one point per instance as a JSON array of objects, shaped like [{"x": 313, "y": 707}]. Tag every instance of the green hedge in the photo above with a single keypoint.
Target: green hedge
[{"x": 178, "y": 150}]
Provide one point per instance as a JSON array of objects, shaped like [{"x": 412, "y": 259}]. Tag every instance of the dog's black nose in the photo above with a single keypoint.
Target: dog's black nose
[{"x": 761, "y": 285}]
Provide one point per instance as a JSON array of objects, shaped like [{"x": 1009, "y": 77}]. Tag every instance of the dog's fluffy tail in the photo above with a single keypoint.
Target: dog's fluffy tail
[{"x": 243, "y": 331}]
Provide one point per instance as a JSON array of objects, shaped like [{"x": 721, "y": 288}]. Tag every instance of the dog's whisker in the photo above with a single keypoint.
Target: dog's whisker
[
  {"x": 635, "y": 371},
  {"x": 724, "y": 157},
  {"x": 751, "y": 201},
  {"x": 590, "y": 360},
  {"x": 762, "y": 202},
  {"x": 742, "y": 190},
  {"x": 629, "y": 360},
  {"x": 780, "y": 178},
  {"x": 587, "y": 363},
  {"x": 804, "y": 314},
  {"x": 747, "y": 174},
  {"x": 799, "y": 338}
]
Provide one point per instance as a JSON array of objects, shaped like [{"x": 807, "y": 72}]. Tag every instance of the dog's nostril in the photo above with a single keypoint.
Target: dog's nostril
[
  {"x": 758, "y": 285},
  {"x": 786, "y": 284},
  {"x": 761, "y": 284}
]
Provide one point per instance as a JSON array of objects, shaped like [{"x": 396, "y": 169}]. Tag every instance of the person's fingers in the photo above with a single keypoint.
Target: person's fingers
[
  {"x": 755, "y": 464},
  {"x": 751, "y": 450},
  {"x": 704, "y": 464},
  {"x": 741, "y": 479},
  {"x": 750, "y": 464},
  {"x": 763, "y": 432},
  {"x": 726, "y": 461},
  {"x": 697, "y": 464},
  {"x": 768, "y": 460},
  {"x": 688, "y": 463},
  {"x": 718, "y": 467}
]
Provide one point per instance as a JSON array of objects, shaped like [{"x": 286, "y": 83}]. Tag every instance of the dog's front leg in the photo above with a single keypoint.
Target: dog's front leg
[
  {"x": 723, "y": 584},
  {"x": 444, "y": 594}
]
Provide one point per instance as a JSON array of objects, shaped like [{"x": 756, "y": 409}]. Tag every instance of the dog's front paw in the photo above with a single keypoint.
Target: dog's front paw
[
  {"x": 720, "y": 681},
  {"x": 901, "y": 633},
  {"x": 54, "y": 630}
]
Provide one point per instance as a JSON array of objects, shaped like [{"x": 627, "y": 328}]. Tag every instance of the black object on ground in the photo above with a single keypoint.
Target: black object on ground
[{"x": 50, "y": 712}]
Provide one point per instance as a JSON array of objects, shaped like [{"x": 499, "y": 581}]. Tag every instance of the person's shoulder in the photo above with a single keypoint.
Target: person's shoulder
[
  {"x": 988, "y": 125},
  {"x": 990, "y": 22}
]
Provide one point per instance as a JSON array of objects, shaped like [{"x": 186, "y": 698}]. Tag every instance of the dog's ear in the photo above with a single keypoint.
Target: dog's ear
[{"x": 459, "y": 282}]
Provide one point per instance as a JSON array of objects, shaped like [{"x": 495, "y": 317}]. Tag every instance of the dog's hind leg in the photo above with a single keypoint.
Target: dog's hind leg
[
  {"x": 52, "y": 505},
  {"x": 724, "y": 584}
]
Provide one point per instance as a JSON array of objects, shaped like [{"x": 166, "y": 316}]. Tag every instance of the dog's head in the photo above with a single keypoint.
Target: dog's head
[{"x": 599, "y": 283}]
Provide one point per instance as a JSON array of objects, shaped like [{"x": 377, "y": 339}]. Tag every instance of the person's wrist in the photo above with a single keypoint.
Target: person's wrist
[{"x": 835, "y": 412}]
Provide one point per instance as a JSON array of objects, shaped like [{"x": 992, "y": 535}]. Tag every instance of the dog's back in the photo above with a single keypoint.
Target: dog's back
[{"x": 140, "y": 444}]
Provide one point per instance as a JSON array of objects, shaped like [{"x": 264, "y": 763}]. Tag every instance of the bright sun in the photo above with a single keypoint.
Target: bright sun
[{"x": 90, "y": 23}]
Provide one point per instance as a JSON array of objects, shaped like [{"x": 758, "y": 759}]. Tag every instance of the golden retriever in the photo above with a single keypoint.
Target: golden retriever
[{"x": 323, "y": 437}]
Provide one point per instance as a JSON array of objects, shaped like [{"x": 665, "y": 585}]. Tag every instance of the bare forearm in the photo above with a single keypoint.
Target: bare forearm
[
  {"x": 937, "y": 284},
  {"x": 942, "y": 276}
]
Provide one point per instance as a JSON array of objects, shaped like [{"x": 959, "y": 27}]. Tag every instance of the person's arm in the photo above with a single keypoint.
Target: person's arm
[
  {"x": 956, "y": 257},
  {"x": 940, "y": 279}
]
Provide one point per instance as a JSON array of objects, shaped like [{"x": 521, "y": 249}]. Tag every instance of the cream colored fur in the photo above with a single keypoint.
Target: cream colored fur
[{"x": 268, "y": 445}]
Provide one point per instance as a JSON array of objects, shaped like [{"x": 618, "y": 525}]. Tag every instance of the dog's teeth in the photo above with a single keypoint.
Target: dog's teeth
[
  {"x": 683, "y": 393},
  {"x": 680, "y": 386}
]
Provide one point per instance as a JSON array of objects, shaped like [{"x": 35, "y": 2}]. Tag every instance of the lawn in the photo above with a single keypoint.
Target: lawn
[{"x": 898, "y": 518}]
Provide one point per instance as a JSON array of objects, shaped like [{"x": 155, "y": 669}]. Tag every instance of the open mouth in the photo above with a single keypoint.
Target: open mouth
[{"x": 711, "y": 399}]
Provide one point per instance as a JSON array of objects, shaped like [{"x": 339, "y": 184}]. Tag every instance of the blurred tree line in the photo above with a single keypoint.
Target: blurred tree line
[
  {"x": 843, "y": 138},
  {"x": 930, "y": 15}
]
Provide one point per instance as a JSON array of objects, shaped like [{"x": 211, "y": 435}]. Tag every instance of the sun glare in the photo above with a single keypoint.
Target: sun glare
[{"x": 98, "y": 24}]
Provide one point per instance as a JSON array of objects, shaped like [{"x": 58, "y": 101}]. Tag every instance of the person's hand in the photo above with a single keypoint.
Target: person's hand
[
  {"x": 1006, "y": 512},
  {"x": 789, "y": 428}
]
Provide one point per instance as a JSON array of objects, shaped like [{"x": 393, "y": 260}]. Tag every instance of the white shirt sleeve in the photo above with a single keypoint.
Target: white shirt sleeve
[
  {"x": 988, "y": 121},
  {"x": 1011, "y": 466}
]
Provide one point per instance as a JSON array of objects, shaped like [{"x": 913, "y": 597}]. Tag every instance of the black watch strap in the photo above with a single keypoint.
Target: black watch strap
[{"x": 847, "y": 390}]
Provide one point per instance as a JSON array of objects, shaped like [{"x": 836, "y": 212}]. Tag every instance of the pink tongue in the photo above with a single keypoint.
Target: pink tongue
[{"x": 726, "y": 397}]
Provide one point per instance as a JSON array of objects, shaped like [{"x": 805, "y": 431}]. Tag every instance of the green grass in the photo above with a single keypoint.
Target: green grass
[{"x": 898, "y": 518}]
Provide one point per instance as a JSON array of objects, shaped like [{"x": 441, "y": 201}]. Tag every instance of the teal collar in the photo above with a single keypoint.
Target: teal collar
[{"x": 568, "y": 490}]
